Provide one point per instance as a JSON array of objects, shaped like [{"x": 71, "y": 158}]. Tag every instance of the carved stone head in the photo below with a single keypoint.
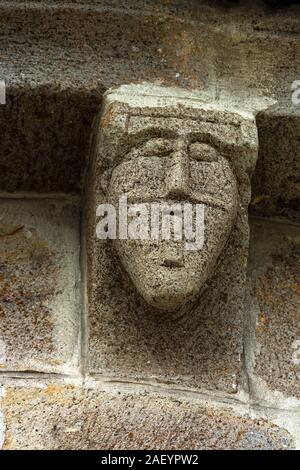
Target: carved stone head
[{"x": 174, "y": 150}]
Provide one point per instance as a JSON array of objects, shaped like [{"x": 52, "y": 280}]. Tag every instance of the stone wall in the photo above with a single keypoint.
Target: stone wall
[{"x": 72, "y": 375}]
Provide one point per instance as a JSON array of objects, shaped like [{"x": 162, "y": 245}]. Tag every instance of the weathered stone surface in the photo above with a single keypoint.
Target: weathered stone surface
[
  {"x": 39, "y": 291},
  {"x": 276, "y": 184},
  {"x": 66, "y": 417},
  {"x": 2, "y": 426},
  {"x": 66, "y": 54},
  {"x": 46, "y": 141},
  {"x": 274, "y": 284},
  {"x": 62, "y": 66},
  {"x": 241, "y": 48},
  {"x": 148, "y": 320}
]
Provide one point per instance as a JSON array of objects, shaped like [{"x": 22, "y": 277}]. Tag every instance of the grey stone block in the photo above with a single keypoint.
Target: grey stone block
[
  {"x": 276, "y": 183},
  {"x": 62, "y": 417},
  {"x": 273, "y": 360},
  {"x": 40, "y": 307}
]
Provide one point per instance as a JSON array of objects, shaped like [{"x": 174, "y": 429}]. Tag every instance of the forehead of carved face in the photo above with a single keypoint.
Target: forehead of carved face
[{"x": 174, "y": 164}]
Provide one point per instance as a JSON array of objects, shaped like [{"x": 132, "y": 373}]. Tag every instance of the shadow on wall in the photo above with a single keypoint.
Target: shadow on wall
[
  {"x": 45, "y": 143},
  {"x": 46, "y": 140}
]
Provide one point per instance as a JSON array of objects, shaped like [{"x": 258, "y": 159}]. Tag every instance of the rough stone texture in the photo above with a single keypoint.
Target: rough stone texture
[
  {"x": 241, "y": 48},
  {"x": 274, "y": 284},
  {"x": 276, "y": 184},
  {"x": 66, "y": 54},
  {"x": 63, "y": 64},
  {"x": 2, "y": 426},
  {"x": 66, "y": 417},
  {"x": 46, "y": 141},
  {"x": 39, "y": 285},
  {"x": 200, "y": 344}
]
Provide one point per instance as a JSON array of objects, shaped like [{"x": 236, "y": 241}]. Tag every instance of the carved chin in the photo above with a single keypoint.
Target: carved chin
[
  {"x": 165, "y": 299},
  {"x": 169, "y": 289}
]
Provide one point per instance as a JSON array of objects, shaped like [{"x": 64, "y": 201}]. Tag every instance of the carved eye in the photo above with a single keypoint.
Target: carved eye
[
  {"x": 203, "y": 152},
  {"x": 158, "y": 146}
]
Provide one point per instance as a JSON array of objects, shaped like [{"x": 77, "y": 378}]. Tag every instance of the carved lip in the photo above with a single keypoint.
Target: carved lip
[
  {"x": 193, "y": 198},
  {"x": 173, "y": 263}
]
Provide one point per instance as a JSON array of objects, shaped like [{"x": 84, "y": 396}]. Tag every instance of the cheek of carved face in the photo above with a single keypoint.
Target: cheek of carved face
[{"x": 167, "y": 273}]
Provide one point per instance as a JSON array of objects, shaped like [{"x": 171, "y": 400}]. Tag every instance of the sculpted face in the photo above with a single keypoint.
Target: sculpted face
[{"x": 176, "y": 165}]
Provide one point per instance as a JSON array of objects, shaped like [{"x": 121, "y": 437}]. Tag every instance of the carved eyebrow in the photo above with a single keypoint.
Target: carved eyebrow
[
  {"x": 140, "y": 149},
  {"x": 202, "y": 137},
  {"x": 151, "y": 133},
  {"x": 155, "y": 146},
  {"x": 157, "y": 131},
  {"x": 207, "y": 152}
]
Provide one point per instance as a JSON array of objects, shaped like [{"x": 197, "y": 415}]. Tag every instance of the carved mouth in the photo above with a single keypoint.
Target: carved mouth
[
  {"x": 193, "y": 198},
  {"x": 172, "y": 263}
]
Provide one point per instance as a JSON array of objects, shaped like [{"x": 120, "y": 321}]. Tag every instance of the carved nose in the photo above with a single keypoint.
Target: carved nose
[{"x": 177, "y": 179}]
